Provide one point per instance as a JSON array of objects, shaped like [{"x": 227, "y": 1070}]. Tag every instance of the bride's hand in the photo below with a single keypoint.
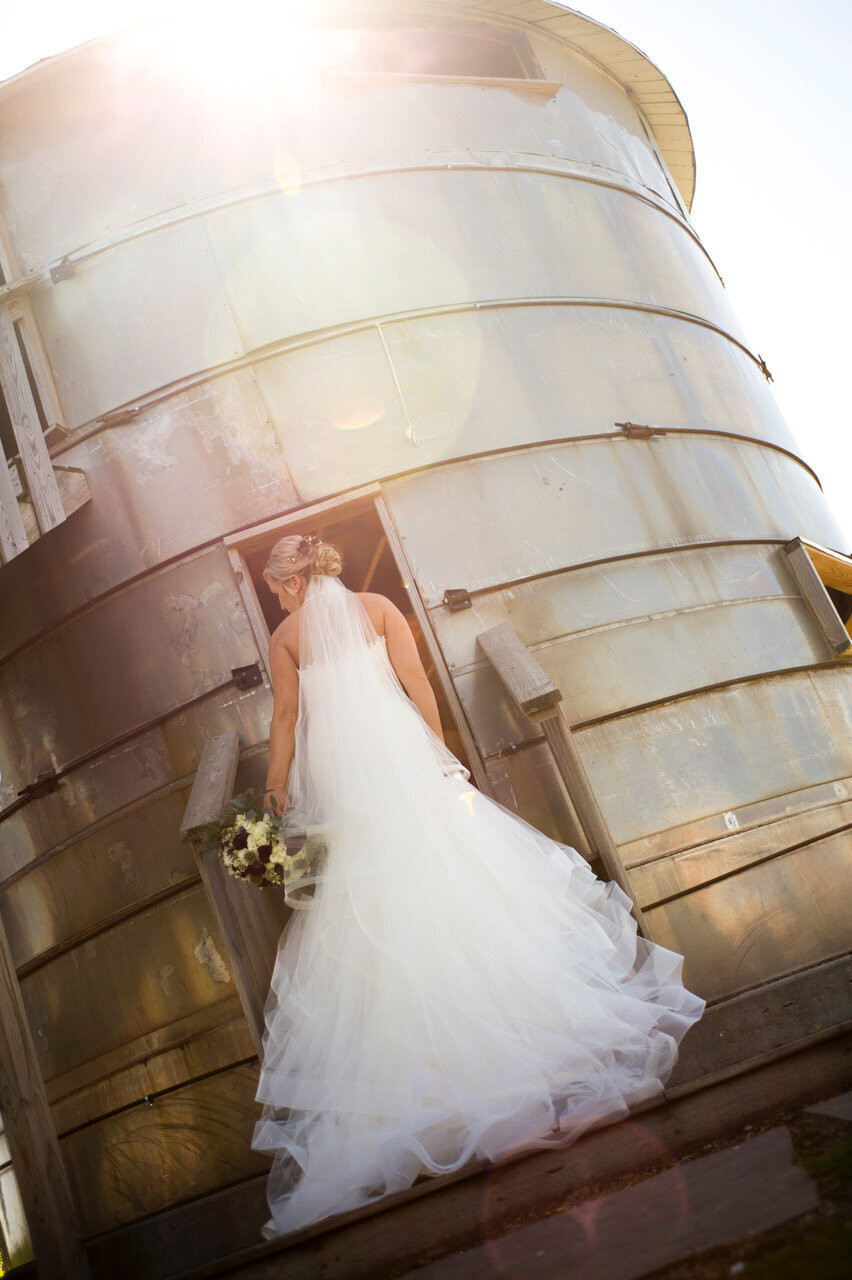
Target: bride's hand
[{"x": 275, "y": 800}]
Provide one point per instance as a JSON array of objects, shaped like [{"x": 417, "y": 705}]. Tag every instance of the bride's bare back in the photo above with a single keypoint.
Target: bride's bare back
[{"x": 284, "y": 662}]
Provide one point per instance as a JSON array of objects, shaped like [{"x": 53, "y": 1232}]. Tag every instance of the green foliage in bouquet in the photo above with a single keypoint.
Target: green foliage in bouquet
[{"x": 261, "y": 847}]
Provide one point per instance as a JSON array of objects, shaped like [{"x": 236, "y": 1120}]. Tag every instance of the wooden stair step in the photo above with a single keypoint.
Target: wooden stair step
[{"x": 714, "y": 1200}]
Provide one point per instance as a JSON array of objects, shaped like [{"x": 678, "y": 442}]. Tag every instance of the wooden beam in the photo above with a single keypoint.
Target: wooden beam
[
  {"x": 13, "y": 535},
  {"x": 530, "y": 686},
  {"x": 213, "y": 786},
  {"x": 33, "y": 1144},
  {"x": 208, "y": 802},
  {"x": 21, "y": 309},
  {"x": 538, "y": 697},
  {"x": 834, "y": 569},
  {"x": 253, "y": 607},
  {"x": 41, "y": 482},
  {"x": 817, "y": 598}
]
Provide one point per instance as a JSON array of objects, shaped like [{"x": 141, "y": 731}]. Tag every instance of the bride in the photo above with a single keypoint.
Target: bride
[{"x": 460, "y": 986}]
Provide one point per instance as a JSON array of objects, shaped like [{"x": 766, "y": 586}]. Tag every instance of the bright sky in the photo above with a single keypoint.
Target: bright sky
[{"x": 764, "y": 84}]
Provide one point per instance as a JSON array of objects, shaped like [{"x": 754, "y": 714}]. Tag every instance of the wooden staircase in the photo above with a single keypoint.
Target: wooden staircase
[{"x": 746, "y": 1061}]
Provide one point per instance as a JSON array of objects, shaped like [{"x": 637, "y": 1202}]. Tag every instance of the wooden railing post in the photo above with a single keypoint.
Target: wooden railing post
[
  {"x": 33, "y": 1143},
  {"x": 208, "y": 802},
  {"x": 538, "y": 697}
]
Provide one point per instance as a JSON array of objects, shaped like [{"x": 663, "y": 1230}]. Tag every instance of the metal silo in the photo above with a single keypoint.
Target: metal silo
[{"x": 434, "y": 291}]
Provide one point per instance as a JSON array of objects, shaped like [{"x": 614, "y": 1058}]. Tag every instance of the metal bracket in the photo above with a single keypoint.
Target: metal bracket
[
  {"x": 62, "y": 271},
  {"x": 43, "y": 785},
  {"x": 457, "y": 598},
  {"x": 638, "y": 431},
  {"x": 247, "y": 677}
]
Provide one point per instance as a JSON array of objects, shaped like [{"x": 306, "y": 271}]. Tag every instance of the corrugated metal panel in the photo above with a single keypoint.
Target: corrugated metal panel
[
  {"x": 101, "y": 168},
  {"x": 177, "y": 1147},
  {"x": 587, "y": 601},
  {"x": 543, "y": 509},
  {"x": 179, "y": 323},
  {"x": 178, "y": 474},
  {"x": 392, "y": 243},
  {"x": 148, "y": 971},
  {"x": 713, "y": 752},
  {"x": 110, "y": 871},
  {"x": 136, "y": 656},
  {"x": 508, "y": 376},
  {"x": 345, "y": 251},
  {"x": 125, "y": 774},
  {"x": 766, "y": 921},
  {"x": 642, "y": 661}
]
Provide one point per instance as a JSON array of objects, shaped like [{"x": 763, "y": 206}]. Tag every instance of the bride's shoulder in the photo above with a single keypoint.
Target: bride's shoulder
[
  {"x": 286, "y": 636},
  {"x": 377, "y": 608}
]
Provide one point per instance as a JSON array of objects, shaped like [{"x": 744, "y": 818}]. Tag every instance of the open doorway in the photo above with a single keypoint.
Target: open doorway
[{"x": 352, "y": 524}]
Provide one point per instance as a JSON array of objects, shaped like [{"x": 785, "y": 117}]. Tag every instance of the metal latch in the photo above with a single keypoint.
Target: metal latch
[{"x": 457, "y": 598}]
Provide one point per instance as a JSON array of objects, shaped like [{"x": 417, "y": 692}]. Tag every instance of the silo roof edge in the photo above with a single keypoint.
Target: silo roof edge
[{"x": 632, "y": 69}]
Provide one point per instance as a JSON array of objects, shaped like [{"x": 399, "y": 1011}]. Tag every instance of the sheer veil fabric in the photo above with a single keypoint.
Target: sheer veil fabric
[{"x": 460, "y": 985}]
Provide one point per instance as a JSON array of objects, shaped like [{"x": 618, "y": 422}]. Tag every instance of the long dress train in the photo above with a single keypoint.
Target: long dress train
[{"x": 460, "y": 985}]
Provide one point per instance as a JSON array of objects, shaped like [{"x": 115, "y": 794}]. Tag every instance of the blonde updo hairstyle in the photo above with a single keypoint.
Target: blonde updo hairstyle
[{"x": 304, "y": 555}]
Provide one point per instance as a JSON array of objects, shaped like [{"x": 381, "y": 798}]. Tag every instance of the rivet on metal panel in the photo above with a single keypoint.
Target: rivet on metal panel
[{"x": 457, "y": 598}]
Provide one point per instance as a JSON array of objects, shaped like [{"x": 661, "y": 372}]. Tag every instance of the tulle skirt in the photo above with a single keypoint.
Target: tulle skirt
[{"x": 460, "y": 986}]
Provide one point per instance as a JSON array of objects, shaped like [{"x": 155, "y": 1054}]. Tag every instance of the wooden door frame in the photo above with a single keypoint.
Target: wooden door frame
[{"x": 366, "y": 499}]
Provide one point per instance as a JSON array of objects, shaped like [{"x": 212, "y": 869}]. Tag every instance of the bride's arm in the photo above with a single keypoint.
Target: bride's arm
[
  {"x": 405, "y": 660},
  {"x": 282, "y": 728}
]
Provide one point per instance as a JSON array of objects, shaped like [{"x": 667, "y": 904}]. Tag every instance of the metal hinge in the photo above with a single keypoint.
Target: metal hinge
[
  {"x": 247, "y": 677},
  {"x": 457, "y": 598}
]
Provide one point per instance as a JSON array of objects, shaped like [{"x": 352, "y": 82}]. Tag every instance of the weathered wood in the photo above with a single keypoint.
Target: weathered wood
[
  {"x": 530, "y": 686},
  {"x": 208, "y": 802},
  {"x": 576, "y": 780},
  {"x": 817, "y": 598},
  {"x": 834, "y": 569},
  {"x": 213, "y": 787},
  {"x": 13, "y": 535},
  {"x": 252, "y": 604},
  {"x": 21, "y": 310},
  {"x": 767, "y": 1020},
  {"x": 538, "y": 697},
  {"x": 440, "y": 1215},
  {"x": 74, "y": 492},
  {"x": 38, "y": 1164},
  {"x": 732, "y": 1193},
  {"x": 35, "y": 458}
]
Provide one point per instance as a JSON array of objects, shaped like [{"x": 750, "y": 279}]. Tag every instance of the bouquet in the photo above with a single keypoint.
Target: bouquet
[{"x": 264, "y": 848}]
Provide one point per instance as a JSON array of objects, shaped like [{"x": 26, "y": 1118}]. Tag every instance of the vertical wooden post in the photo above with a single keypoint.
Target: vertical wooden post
[
  {"x": 34, "y": 1146},
  {"x": 538, "y": 697}
]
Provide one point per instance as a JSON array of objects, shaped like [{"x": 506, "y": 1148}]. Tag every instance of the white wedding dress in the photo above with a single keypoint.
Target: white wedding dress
[{"x": 460, "y": 985}]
